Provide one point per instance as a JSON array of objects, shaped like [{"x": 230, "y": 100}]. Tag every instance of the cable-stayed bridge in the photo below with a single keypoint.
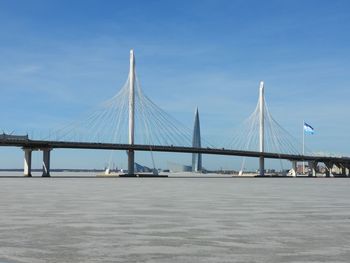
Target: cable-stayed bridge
[{"x": 133, "y": 122}]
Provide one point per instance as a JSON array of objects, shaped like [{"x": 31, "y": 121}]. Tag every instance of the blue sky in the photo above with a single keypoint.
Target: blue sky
[{"x": 59, "y": 59}]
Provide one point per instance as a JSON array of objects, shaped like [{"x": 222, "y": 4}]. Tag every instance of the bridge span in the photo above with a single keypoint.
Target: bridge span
[
  {"x": 163, "y": 132},
  {"x": 47, "y": 146}
]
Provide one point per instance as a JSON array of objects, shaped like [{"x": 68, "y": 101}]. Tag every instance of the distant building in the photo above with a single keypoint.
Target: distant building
[
  {"x": 141, "y": 168},
  {"x": 196, "y": 143},
  {"x": 176, "y": 167}
]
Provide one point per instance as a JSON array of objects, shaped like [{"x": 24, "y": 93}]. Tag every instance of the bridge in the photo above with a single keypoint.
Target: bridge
[{"x": 125, "y": 102}]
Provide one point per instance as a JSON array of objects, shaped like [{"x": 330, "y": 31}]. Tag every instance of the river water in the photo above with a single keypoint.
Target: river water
[{"x": 174, "y": 220}]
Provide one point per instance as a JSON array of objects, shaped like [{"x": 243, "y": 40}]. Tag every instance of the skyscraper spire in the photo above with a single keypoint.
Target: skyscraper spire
[{"x": 196, "y": 143}]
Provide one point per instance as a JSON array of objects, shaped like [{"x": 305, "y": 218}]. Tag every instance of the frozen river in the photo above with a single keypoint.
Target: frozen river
[{"x": 174, "y": 220}]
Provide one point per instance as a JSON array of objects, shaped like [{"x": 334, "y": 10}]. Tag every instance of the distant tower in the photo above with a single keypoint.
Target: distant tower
[
  {"x": 261, "y": 129},
  {"x": 131, "y": 153},
  {"x": 196, "y": 142}
]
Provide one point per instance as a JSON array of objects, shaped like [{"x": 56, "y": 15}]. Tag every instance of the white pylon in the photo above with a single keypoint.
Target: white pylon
[
  {"x": 261, "y": 128},
  {"x": 131, "y": 154}
]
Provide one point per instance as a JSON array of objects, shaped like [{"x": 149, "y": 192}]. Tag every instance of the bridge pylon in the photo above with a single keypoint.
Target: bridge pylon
[
  {"x": 261, "y": 129},
  {"x": 131, "y": 153}
]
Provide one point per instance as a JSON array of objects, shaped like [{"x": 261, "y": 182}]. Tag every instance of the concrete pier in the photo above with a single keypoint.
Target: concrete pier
[
  {"x": 46, "y": 162},
  {"x": 312, "y": 167},
  {"x": 131, "y": 162},
  {"x": 294, "y": 168},
  {"x": 261, "y": 166},
  {"x": 27, "y": 171},
  {"x": 329, "y": 166},
  {"x": 343, "y": 170}
]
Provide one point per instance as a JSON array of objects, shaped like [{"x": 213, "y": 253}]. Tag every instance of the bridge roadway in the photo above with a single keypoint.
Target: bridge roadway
[{"x": 44, "y": 144}]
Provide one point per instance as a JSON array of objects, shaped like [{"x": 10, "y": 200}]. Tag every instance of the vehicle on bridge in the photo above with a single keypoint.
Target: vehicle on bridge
[{"x": 11, "y": 137}]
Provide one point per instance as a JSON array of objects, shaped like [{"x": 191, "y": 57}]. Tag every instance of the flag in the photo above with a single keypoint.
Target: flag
[{"x": 308, "y": 129}]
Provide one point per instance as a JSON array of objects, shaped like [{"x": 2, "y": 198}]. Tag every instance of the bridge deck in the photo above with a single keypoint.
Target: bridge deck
[{"x": 41, "y": 144}]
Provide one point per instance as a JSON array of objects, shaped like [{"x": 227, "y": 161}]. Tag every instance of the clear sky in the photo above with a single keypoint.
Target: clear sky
[{"x": 59, "y": 59}]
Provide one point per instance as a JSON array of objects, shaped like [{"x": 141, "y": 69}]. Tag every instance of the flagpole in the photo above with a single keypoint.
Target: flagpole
[{"x": 303, "y": 148}]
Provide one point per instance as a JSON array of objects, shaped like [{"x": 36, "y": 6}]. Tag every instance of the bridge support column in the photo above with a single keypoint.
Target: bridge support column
[
  {"x": 347, "y": 170},
  {"x": 312, "y": 166},
  {"x": 27, "y": 171},
  {"x": 343, "y": 169},
  {"x": 131, "y": 162},
  {"x": 329, "y": 166},
  {"x": 328, "y": 174},
  {"x": 261, "y": 166},
  {"x": 294, "y": 168},
  {"x": 46, "y": 162}
]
